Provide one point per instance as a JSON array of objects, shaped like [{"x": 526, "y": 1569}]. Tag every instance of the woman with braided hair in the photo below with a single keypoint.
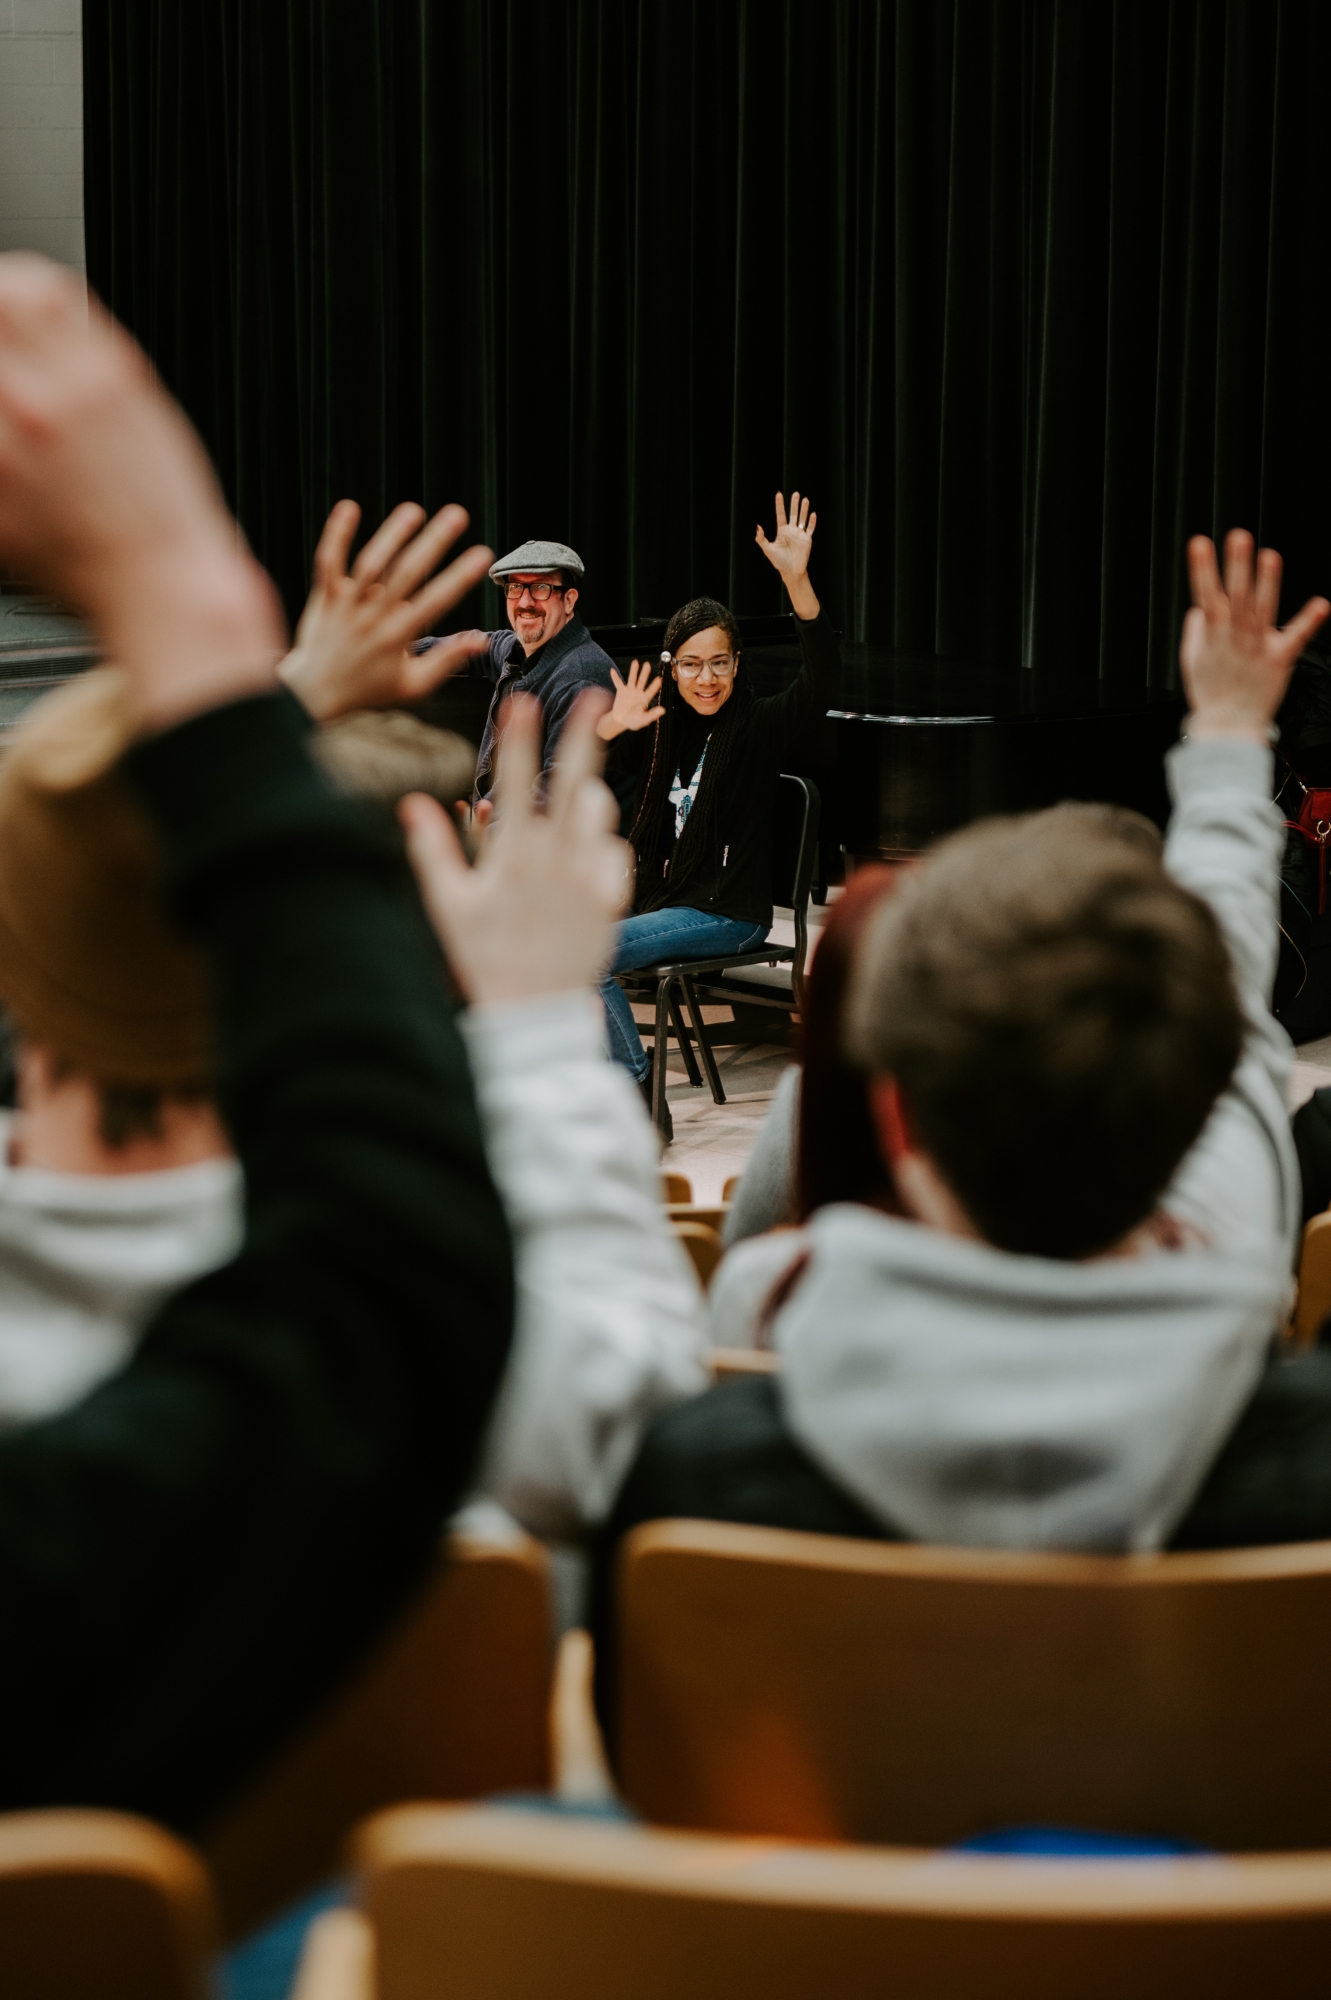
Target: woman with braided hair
[{"x": 707, "y": 752}]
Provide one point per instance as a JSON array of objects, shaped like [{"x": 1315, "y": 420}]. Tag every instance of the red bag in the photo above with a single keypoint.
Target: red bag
[{"x": 1314, "y": 824}]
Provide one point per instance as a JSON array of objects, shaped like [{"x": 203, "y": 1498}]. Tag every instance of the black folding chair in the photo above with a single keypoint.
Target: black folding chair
[{"x": 737, "y": 977}]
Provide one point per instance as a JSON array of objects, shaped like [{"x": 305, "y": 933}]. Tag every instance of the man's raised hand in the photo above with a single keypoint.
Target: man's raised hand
[
  {"x": 635, "y": 705},
  {"x": 534, "y": 916},
  {"x": 1236, "y": 662},
  {"x": 108, "y": 501},
  {"x": 350, "y": 649}
]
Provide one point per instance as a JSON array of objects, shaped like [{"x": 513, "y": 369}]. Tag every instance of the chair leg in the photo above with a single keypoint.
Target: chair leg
[
  {"x": 660, "y": 1109},
  {"x": 685, "y": 1043},
  {"x": 704, "y": 1046}
]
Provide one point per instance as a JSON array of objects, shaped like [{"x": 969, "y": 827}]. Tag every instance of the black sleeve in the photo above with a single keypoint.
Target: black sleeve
[
  {"x": 722, "y": 1456},
  {"x": 194, "y": 1556},
  {"x": 1311, "y": 1126},
  {"x": 812, "y": 692},
  {"x": 626, "y": 764},
  {"x": 1272, "y": 1480}
]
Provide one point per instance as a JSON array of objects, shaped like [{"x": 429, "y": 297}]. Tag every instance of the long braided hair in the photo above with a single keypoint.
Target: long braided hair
[{"x": 668, "y": 870}]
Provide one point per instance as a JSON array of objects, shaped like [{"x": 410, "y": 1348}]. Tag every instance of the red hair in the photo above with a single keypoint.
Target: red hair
[{"x": 838, "y": 1156}]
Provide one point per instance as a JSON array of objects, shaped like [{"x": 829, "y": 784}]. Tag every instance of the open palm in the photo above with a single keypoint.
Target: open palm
[
  {"x": 788, "y": 551},
  {"x": 635, "y": 705}
]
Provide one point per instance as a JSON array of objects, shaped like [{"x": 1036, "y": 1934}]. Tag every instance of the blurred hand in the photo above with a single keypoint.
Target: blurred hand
[
  {"x": 1236, "y": 664},
  {"x": 635, "y": 705},
  {"x": 534, "y": 916},
  {"x": 350, "y": 649},
  {"x": 789, "y": 552},
  {"x": 107, "y": 500}
]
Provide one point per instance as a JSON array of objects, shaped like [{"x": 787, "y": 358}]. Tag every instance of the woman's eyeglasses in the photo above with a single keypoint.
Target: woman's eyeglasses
[
  {"x": 540, "y": 591},
  {"x": 722, "y": 669}
]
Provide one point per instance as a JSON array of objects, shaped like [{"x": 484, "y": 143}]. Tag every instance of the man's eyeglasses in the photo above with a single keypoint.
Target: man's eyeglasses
[
  {"x": 722, "y": 669},
  {"x": 540, "y": 591}
]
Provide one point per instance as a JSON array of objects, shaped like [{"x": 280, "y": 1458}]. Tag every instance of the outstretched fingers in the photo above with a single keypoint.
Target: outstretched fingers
[
  {"x": 339, "y": 531},
  {"x": 519, "y": 760},
  {"x": 425, "y": 551},
  {"x": 451, "y": 585},
  {"x": 580, "y": 753},
  {"x": 780, "y": 510},
  {"x": 386, "y": 540},
  {"x": 1204, "y": 578},
  {"x": 1238, "y": 564},
  {"x": 432, "y": 842},
  {"x": 1266, "y": 594},
  {"x": 443, "y": 874},
  {"x": 1301, "y": 627}
]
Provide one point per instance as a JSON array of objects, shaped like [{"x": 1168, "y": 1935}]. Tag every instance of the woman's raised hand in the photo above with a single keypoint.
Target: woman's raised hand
[
  {"x": 635, "y": 704},
  {"x": 788, "y": 552}
]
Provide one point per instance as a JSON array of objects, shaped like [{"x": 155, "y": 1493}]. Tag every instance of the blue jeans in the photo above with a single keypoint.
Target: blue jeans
[{"x": 659, "y": 937}]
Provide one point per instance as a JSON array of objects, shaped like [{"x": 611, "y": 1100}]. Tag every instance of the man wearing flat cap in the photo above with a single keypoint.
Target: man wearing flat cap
[{"x": 547, "y": 652}]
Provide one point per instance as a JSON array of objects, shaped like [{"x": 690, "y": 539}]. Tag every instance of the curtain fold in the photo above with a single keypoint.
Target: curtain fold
[{"x": 1022, "y": 292}]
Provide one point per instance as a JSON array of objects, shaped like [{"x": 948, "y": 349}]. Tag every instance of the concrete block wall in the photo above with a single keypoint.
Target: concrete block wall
[{"x": 41, "y": 128}]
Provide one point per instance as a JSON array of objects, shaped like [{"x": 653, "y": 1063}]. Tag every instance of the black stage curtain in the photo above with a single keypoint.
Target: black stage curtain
[{"x": 1021, "y": 291}]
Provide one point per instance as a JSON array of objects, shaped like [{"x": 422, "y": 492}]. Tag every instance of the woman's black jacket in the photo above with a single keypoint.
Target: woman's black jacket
[{"x": 737, "y": 881}]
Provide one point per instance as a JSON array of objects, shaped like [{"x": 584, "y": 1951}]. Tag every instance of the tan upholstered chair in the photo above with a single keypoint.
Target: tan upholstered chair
[
  {"x": 826, "y": 1688},
  {"x": 99, "y": 1906},
  {"x": 486, "y": 1905},
  {"x": 454, "y": 1705}
]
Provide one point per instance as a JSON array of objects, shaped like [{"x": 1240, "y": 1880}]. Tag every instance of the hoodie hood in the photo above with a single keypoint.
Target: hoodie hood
[
  {"x": 973, "y": 1397},
  {"x": 86, "y": 1260}
]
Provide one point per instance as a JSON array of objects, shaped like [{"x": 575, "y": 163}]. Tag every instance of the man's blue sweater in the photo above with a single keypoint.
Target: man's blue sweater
[{"x": 563, "y": 667}]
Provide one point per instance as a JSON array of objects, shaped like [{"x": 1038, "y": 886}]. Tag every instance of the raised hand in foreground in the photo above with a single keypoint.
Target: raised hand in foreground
[
  {"x": 350, "y": 649},
  {"x": 789, "y": 551},
  {"x": 534, "y": 916},
  {"x": 1236, "y": 663},
  {"x": 108, "y": 502}
]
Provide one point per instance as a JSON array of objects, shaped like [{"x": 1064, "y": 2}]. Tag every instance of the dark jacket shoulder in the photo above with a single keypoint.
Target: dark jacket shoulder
[{"x": 1272, "y": 1479}]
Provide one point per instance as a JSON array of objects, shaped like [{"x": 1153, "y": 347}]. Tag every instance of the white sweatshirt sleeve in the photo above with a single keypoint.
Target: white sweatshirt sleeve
[
  {"x": 1240, "y": 1182},
  {"x": 610, "y": 1319}
]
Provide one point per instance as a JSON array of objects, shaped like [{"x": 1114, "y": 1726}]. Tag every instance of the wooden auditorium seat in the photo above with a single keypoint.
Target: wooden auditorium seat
[
  {"x": 824, "y": 1688},
  {"x": 712, "y": 1213},
  {"x": 454, "y": 1705},
  {"x": 481, "y": 1904},
  {"x": 99, "y": 1906},
  {"x": 1313, "y": 1303},
  {"x": 704, "y": 1246}
]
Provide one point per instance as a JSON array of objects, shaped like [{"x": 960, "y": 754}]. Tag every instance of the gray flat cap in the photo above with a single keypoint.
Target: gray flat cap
[{"x": 538, "y": 555}]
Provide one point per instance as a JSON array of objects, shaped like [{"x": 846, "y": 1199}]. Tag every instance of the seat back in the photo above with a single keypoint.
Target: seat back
[
  {"x": 454, "y": 1704},
  {"x": 490, "y": 1905},
  {"x": 818, "y": 1687},
  {"x": 99, "y": 1906},
  {"x": 1314, "y": 1296},
  {"x": 794, "y": 858},
  {"x": 704, "y": 1246}
]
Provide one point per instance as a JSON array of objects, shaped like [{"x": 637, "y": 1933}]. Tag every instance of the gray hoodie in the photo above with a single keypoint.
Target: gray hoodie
[{"x": 966, "y": 1395}]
